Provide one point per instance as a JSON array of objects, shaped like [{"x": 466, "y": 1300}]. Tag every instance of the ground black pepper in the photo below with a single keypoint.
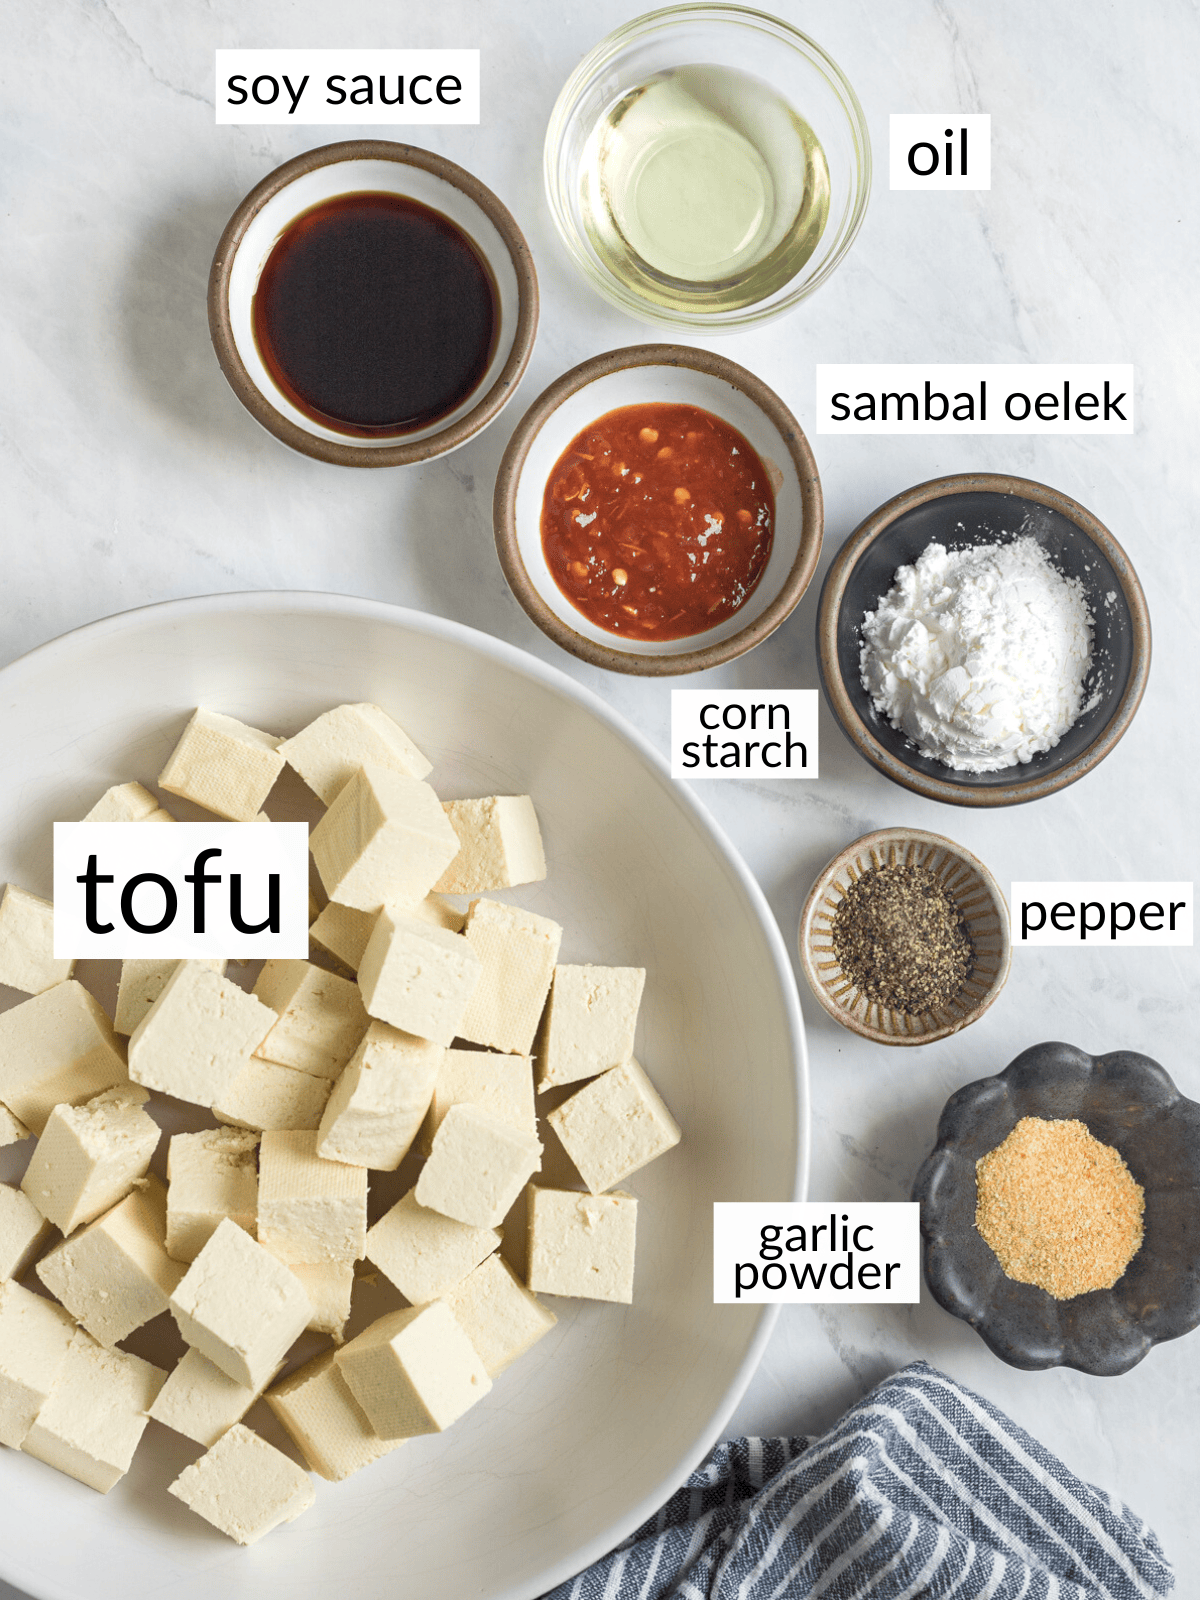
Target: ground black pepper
[{"x": 900, "y": 937}]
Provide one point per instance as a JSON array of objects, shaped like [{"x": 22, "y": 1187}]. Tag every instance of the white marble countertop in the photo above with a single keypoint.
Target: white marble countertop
[{"x": 132, "y": 474}]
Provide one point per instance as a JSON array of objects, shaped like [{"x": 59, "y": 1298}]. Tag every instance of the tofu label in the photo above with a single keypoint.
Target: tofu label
[
  {"x": 199, "y": 890},
  {"x": 813, "y": 1252}
]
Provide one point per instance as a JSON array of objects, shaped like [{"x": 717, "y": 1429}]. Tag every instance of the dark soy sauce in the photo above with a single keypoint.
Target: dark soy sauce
[{"x": 375, "y": 314}]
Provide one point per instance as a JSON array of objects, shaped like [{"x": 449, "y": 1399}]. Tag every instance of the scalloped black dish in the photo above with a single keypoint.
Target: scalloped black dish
[{"x": 1126, "y": 1101}]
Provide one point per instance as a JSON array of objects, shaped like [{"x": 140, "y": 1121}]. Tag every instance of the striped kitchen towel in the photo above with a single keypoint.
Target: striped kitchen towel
[{"x": 923, "y": 1489}]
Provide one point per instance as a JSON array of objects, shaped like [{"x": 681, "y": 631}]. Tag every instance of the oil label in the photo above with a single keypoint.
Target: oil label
[
  {"x": 315, "y": 87},
  {"x": 975, "y": 397},
  {"x": 940, "y": 150}
]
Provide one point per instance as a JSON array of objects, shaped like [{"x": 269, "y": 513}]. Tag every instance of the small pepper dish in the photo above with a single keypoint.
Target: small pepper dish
[{"x": 1126, "y": 1101}]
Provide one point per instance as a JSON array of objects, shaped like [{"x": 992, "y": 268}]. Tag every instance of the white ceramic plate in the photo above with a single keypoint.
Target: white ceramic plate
[{"x": 588, "y": 1433}]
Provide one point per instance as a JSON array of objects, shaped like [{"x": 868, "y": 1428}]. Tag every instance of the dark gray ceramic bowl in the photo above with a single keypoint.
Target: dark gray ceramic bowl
[
  {"x": 986, "y": 508},
  {"x": 1126, "y": 1101}
]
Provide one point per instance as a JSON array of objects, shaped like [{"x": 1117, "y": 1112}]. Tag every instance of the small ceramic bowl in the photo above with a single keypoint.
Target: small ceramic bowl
[
  {"x": 1126, "y": 1101},
  {"x": 973, "y": 889},
  {"x": 986, "y": 508},
  {"x": 357, "y": 166},
  {"x": 636, "y": 376}
]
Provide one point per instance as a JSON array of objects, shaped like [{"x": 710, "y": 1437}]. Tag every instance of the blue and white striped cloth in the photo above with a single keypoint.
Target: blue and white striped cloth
[{"x": 923, "y": 1489}]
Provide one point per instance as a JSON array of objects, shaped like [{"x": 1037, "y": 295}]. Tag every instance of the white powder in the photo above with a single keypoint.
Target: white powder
[{"x": 979, "y": 656}]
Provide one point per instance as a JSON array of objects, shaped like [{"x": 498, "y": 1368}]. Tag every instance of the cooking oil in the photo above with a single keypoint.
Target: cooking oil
[{"x": 704, "y": 190}]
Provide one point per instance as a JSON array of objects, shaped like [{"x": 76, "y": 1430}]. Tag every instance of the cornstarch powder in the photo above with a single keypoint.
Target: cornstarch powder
[{"x": 979, "y": 655}]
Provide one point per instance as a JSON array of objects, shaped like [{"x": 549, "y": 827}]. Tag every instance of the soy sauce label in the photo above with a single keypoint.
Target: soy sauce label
[{"x": 322, "y": 87}]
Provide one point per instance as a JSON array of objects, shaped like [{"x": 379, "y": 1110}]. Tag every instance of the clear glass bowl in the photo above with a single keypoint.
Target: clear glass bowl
[{"x": 723, "y": 36}]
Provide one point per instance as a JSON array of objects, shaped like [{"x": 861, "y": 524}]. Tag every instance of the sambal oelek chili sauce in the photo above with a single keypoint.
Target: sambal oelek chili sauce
[{"x": 657, "y": 521}]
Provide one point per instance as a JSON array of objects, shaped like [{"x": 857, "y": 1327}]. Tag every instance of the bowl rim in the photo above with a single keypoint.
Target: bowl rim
[
  {"x": 833, "y": 594},
  {"x": 401, "y": 453},
  {"x": 504, "y": 502},
  {"x": 661, "y": 20},
  {"x": 879, "y": 838}
]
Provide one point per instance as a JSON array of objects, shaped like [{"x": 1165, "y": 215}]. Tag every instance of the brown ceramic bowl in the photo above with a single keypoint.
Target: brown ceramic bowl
[
  {"x": 371, "y": 165},
  {"x": 973, "y": 889},
  {"x": 635, "y": 376},
  {"x": 986, "y": 508}
]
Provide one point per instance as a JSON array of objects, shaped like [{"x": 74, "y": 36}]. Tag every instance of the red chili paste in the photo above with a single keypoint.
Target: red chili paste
[{"x": 657, "y": 521}]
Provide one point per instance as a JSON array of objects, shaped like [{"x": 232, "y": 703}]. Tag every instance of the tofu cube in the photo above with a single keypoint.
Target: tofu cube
[
  {"x": 343, "y": 932},
  {"x": 12, "y": 1129},
  {"x": 127, "y": 802},
  {"x": 35, "y": 1336},
  {"x": 211, "y": 1175},
  {"x": 325, "y": 1421},
  {"x": 517, "y": 951},
  {"x": 441, "y": 912},
  {"x": 309, "y": 1209},
  {"x": 197, "y": 1035},
  {"x": 418, "y": 977},
  {"x": 90, "y": 1156},
  {"x": 27, "y": 943},
  {"x": 329, "y": 751},
  {"x": 200, "y": 1401},
  {"x": 498, "y": 1314},
  {"x": 328, "y": 1285},
  {"x": 264, "y": 1095},
  {"x": 143, "y": 979},
  {"x": 223, "y": 765},
  {"x": 590, "y": 1022},
  {"x": 244, "y": 1486},
  {"x": 582, "y": 1244},
  {"x": 384, "y": 839},
  {"x": 614, "y": 1125},
  {"x": 240, "y": 1307},
  {"x": 115, "y": 1275},
  {"x": 23, "y": 1232},
  {"x": 500, "y": 1085},
  {"x": 413, "y": 1372},
  {"x": 379, "y": 1102},
  {"x": 500, "y": 845},
  {"x": 56, "y": 1049},
  {"x": 477, "y": 1167},
  {"x": 424, "y": 1253},
  {"x": 95, "y": 1415},
  {"x": 321, "y": 1017}
]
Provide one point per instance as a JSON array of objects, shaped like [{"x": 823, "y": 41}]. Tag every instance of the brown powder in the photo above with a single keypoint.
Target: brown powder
[{"x": 1059, "y": 1208}]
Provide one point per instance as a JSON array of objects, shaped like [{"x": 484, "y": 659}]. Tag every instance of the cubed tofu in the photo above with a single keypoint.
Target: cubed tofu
[
  {"x": 329, "y": 751},
  {"x": 385, "y": 839},
  {"x": 95, "y": 1415},
  {"x": 582, "y": 1244},
  {"x": 27, "y": 943},
  {"x": 143, "y": 979},
  {"x": 198, "y": 1035},
  {"x": 57, "y": 1048},
  {"x": 35, "y": 1335},
  {"x": 418, "y": 977},
  {"x": 590, "y": 1022},
  {"x": 321, "y": 1017},
  {"x": 424, "y": 1253},
  {"x": 517, "y": 951},
  {"x": 265, "y": 1095},
  {"x": 240, "y": 1307},
  {"x": 413, "y": 1372},
  {"x": 498, "y": 1314},
  {"x": 212, "y": 1174},
  {"x": 223, "y": 765},
  {"x": 309, "y": 1209},
  {"x": 12, "y": 1129},
  {"x": 499, "y": 1084},
  {"x": 614, "y": 1125},
  {"x": 380, "y": 1100},
  {"x": 477, "y": 1167},
  {"x": 441, "y": 912},
  {"x": 127, "y": 802},
  {"x": 343, "y": 932},
  {"x": 244, "y": 1486},
  {"x": 24, "y": 1232},
  {"x": 325, "y": 1421},
  {"x": 328, "y": 1285},
  {"x": 90, "y": 1156},
  {"x": 500, "y": 845},
  {"x": 200, "y": 1401},
  {"x": 115, "y": 1274}
]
